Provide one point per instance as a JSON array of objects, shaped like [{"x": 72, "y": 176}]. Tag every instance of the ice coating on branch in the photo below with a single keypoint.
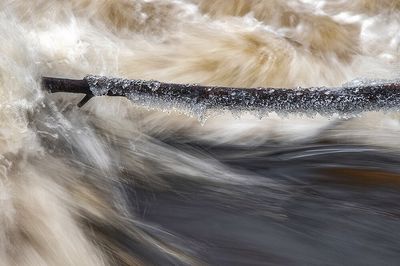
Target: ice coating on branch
[
  {"x": 146, "y": 93},
  {"x": 98, "y": 85},
  {"x": 200, "y": 101}
]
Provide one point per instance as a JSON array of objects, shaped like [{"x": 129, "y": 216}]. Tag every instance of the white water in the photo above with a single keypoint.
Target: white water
[{"x": 63, "y": 169}]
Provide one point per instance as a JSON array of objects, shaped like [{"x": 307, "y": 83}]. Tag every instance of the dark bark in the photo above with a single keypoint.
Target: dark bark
[{"x": 342, "y": 100}]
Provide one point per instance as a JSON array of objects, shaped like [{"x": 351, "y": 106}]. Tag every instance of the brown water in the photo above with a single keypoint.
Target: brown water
[{"x": 115, "y": 184}]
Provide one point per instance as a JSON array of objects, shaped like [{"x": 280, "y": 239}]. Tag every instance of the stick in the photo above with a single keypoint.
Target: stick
[{"x": 341, "y": 100}]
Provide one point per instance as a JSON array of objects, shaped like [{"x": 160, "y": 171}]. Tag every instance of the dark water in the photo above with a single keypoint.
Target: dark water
[{"x": 320, "y": 204}]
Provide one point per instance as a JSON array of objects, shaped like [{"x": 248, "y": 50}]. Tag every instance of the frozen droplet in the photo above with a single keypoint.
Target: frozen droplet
[
  {"x": 154, "y": 85},
  {"x": 133, "y": 97}
]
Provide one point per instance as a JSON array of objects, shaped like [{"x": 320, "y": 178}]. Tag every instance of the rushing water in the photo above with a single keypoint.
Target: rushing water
[
  {"x": 113, "y": 183},
  {"x": 332, "y": 205}
]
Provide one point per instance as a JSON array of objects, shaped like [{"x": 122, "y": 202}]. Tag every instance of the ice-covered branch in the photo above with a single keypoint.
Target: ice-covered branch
[{"x": 350, "y": 99}]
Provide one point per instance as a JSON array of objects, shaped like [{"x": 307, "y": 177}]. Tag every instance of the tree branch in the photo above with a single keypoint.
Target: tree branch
[{"x": 342, "y": 100}]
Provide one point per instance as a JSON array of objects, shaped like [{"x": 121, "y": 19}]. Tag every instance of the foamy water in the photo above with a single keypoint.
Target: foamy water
[{"x": 77, "y": 184}]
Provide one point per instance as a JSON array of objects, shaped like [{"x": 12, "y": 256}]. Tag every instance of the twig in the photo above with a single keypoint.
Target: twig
[{"x": 341, "y": 100}]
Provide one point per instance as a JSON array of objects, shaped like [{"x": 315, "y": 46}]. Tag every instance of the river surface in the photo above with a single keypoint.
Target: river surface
[{"x": 331, "y": 205}]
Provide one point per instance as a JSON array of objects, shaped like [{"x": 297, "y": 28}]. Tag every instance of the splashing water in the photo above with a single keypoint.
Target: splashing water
[{"x": 110, "y": 184}]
